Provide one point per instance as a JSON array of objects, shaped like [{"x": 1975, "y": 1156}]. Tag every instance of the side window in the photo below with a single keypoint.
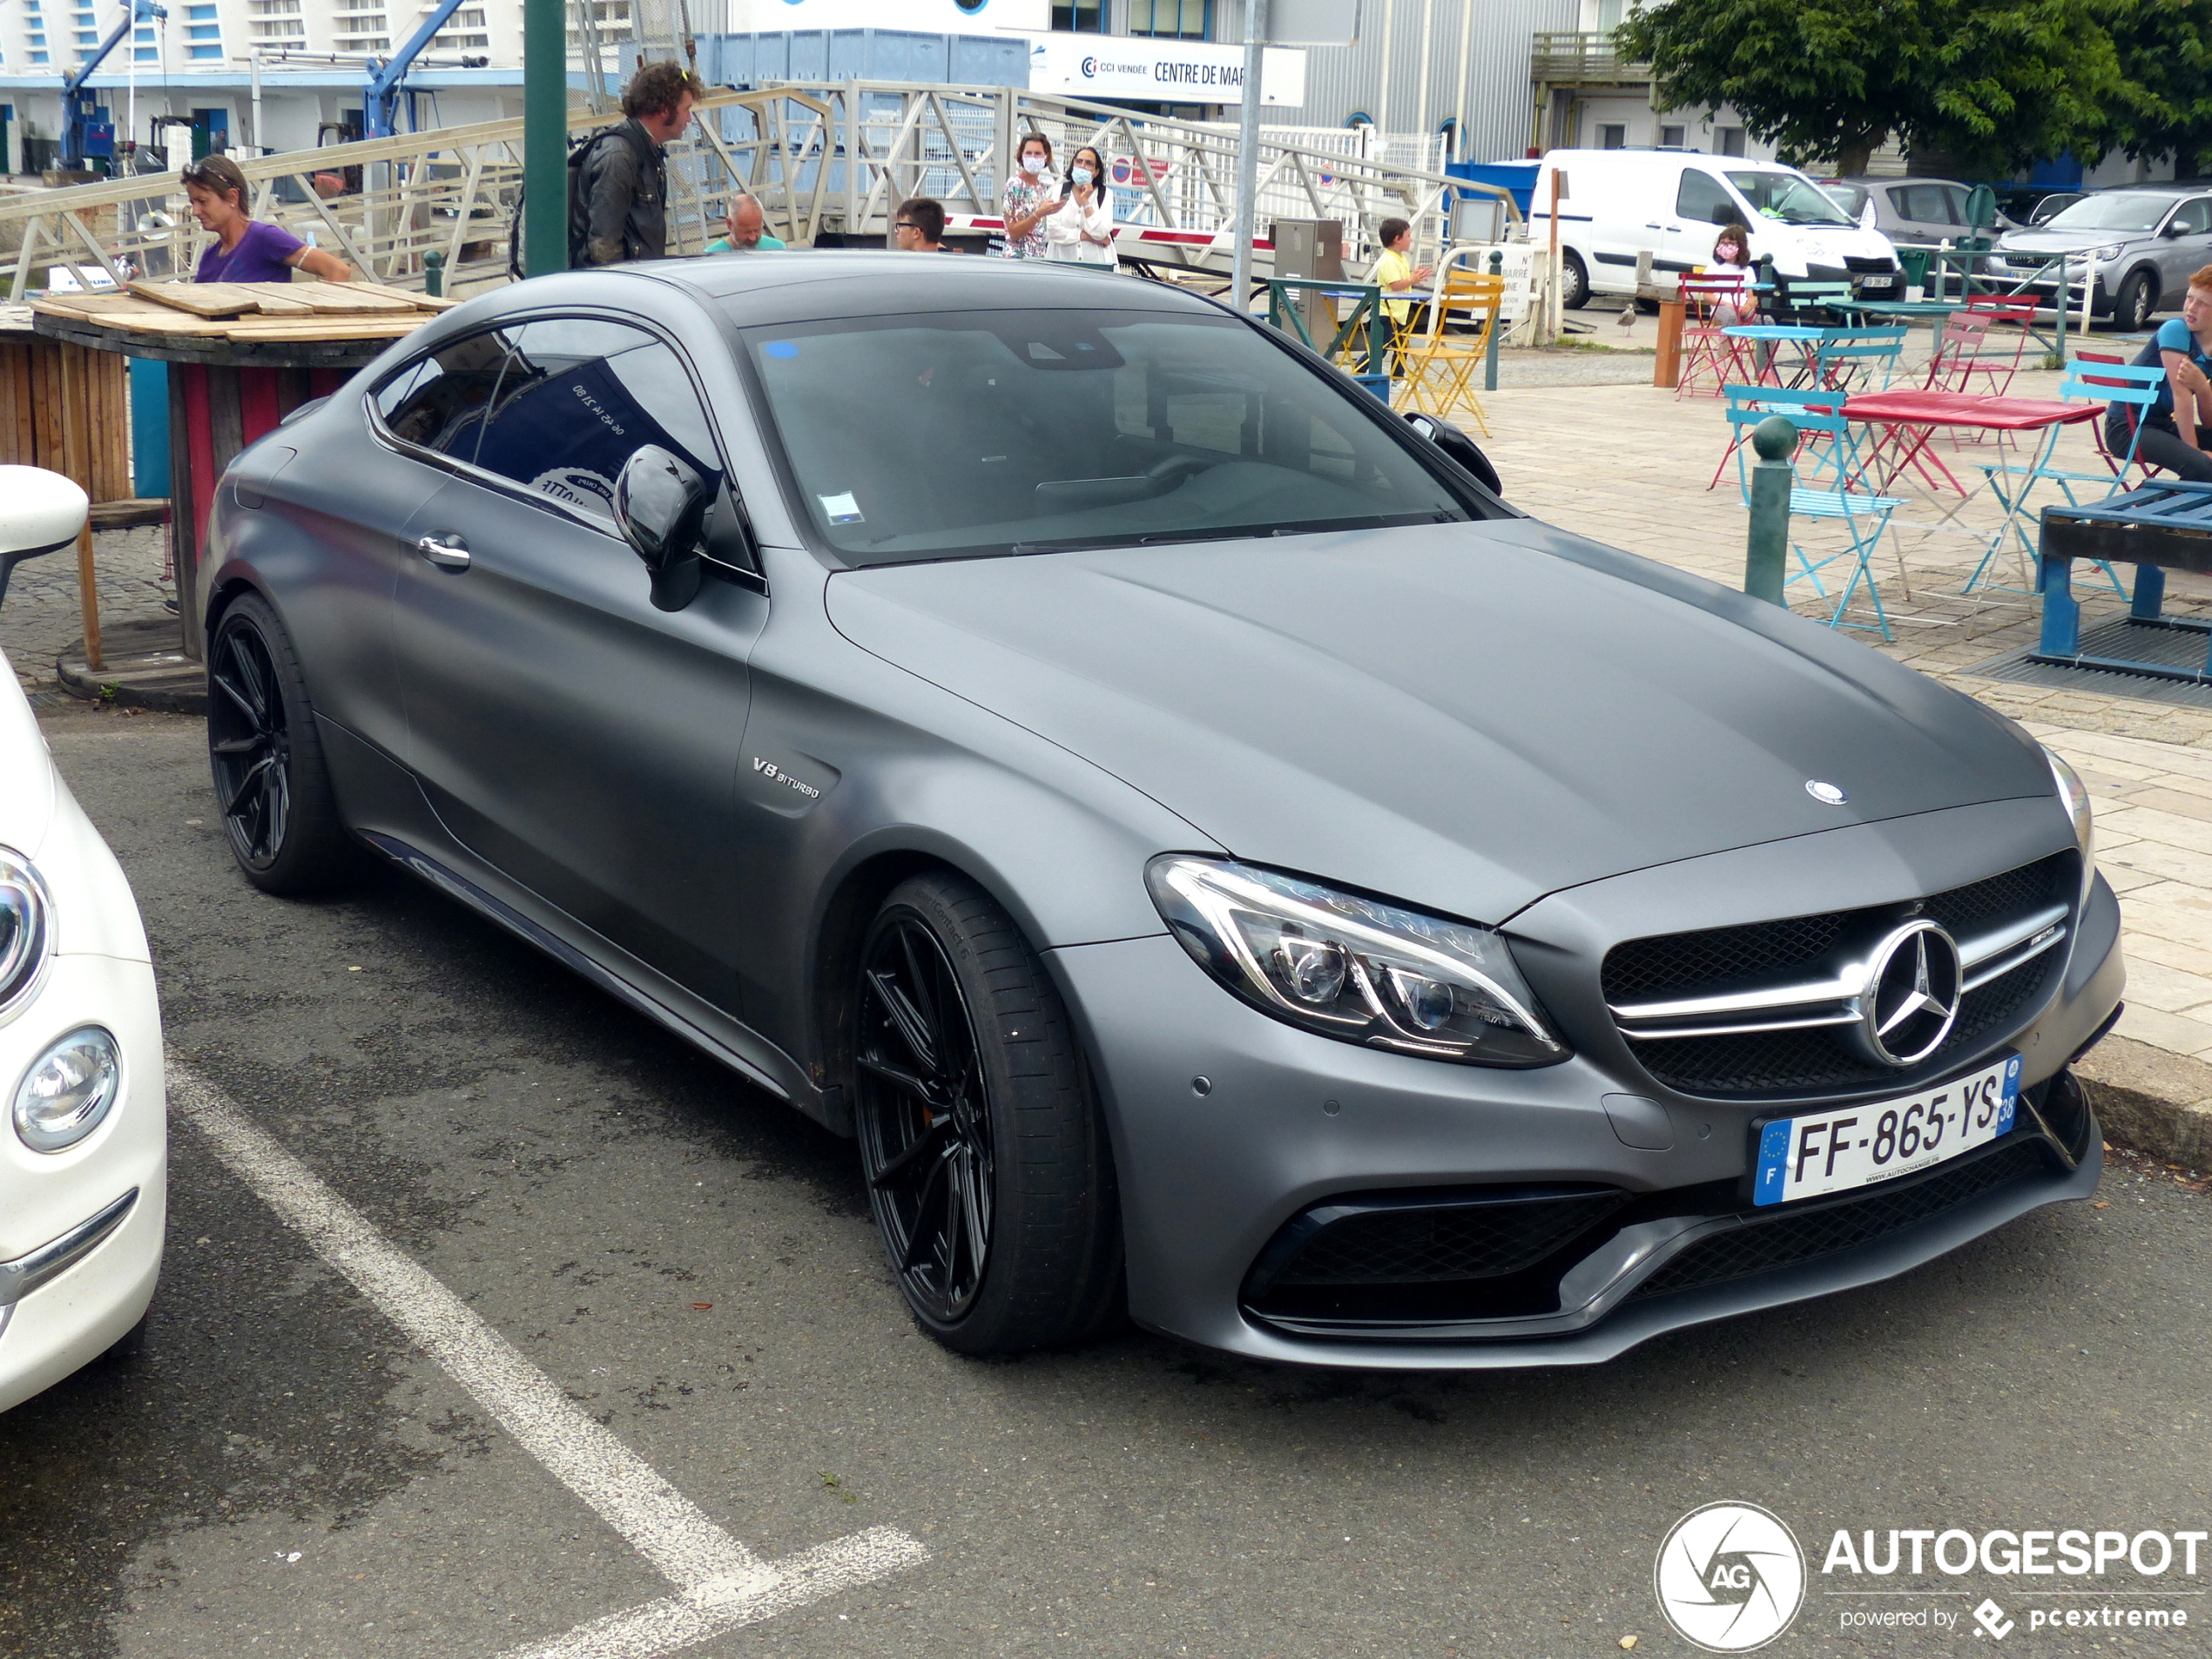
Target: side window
[
  {"x": 1922, "y": 204},
  {"x": 578, "y": 398},
  {"x": 2194, "y": 219},
  {"x": 438, "y": 400},
  {"x": 1703, "y": 200},
  {"x": 1955, "y": 199}
]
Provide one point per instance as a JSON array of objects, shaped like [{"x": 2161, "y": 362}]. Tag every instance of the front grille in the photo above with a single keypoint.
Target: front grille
[
  {"x": 1752, "y": 1065},
  {"x": 1859, "y": 265},
  {"x": 1785, "y": 1240}
]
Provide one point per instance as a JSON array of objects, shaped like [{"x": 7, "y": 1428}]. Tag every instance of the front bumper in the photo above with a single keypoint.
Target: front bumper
[
  {"x": 1287, "y": 1120},
  {"x": 56, "y": 1315}
]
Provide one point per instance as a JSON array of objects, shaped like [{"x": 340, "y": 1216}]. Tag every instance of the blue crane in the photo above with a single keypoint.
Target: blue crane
[
  {"x": 86, "y": 127},
  {"x": 388, "y": 77}
]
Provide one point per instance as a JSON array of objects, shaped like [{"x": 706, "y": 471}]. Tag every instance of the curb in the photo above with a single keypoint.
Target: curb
[
  {"x": 2154, "y": 1102},
  {"x": 145, "y": 670}
]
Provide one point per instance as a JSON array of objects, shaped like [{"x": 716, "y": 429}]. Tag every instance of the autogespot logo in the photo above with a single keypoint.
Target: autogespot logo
[{"x": 1729, "y": 1577}]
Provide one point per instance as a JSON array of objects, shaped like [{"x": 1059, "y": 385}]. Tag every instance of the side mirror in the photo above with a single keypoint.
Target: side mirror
[
  {"x": 1459, "y": 448},
  {"x": 2173, "y": 228},
  {"x": 40, "y": 512},
  {"x": 660, "y": 507}
]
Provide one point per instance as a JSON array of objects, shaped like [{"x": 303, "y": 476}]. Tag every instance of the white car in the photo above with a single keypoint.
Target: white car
[{"x": 85, "y": 1151}]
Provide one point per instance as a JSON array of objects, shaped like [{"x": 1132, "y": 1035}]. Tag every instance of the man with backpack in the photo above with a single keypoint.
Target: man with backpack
[{"x": 617, "y": 180}]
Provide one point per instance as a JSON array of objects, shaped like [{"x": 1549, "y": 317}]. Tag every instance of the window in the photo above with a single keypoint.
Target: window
[
  {"x": 1613, "y": 135},
  {"x": 1727, "y": 141},
  {"x": 215, "y": 52},
  {"x": 1171, "y": 19},
  {"x": 1081, "y": 16},
  {"x": 438, "y": 400},
  {"x": 2194, "y": 219},
  {"x": 577, "y": 399},
  {"x": 1042, "y": 430},
  {"x": 1670, "y": 137},
  {"x": 1703, "y": 199},
  {"x": 1927, "y": 203}
]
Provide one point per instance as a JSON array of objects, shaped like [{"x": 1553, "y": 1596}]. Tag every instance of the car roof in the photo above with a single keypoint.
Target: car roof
[
  {"x": 2156, "y": 187},
  {"x": 1868, "y": 181},
  {"x": 799, "y": 285}
]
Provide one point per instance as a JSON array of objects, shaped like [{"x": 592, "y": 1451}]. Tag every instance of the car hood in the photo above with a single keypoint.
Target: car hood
[
  {"x": 1464, "y": 716},
  {"x": 2042, "y": 241},
  {"x": 26, "y": 773}
]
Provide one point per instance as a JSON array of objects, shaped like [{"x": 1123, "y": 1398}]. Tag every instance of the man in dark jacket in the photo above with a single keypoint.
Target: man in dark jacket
[{"x": 618, "y": 205}]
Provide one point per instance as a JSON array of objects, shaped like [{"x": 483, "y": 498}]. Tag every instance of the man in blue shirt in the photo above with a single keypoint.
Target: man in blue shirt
[{"x": 2184, "y": 348}]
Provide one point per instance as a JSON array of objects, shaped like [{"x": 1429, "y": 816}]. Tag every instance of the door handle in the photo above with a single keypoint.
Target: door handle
[
  {"x": 1651, "y": 228},
  {"x": 445, "y": 550}
]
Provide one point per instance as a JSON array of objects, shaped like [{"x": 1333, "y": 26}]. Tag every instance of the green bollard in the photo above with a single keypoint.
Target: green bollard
[
  {"x": 1490, "y": 347},
  {"x": 1766, "y": 550},
  {"x": 433, "y": 274}
]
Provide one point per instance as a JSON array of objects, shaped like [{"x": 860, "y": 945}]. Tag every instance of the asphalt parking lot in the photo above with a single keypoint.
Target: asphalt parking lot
[{"x": 287, "y": 1470}]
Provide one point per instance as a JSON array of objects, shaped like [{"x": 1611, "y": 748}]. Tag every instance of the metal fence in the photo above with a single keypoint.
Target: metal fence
[{"x": 827, "y": 160}]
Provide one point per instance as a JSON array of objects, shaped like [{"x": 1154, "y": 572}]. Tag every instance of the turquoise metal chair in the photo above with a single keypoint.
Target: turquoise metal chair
[
  {"x": 1802, "y": 297},
  {"x": 1831, "y": 495},
  {"x": 2105, "y": 383},
  {"x": 1847, "y": 354}
]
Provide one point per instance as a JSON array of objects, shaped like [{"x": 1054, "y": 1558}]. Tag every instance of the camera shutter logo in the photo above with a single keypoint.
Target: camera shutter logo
[{"x": 1729, "y": 1577}]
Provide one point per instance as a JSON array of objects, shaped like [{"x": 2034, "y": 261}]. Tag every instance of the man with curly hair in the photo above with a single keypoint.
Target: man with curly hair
[{"x": 618, "y": 190}]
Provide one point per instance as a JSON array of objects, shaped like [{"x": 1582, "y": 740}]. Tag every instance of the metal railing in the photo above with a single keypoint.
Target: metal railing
[{"x": 827, "y": 160}]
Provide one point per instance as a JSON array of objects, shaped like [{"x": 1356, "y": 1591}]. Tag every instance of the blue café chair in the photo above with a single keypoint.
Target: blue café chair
[
  {"x": 2107, "y": 383},
  {"x": 1822, "y": 487},
  {"x": 1749, "y": 405},
  {"x": 1844, "y": 354}
]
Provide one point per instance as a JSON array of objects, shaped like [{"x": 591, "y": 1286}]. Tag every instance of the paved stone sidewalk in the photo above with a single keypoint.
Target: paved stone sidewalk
[
  {"x": 41, "y": 616},
  {"x": 1628, "y": 466}
]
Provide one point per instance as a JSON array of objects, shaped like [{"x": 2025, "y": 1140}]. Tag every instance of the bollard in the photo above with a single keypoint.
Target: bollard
[
  {"x": 433, "y": 274},
  {"x": 1766, "y": 550},
  {"x": 1497, "y": 318}
]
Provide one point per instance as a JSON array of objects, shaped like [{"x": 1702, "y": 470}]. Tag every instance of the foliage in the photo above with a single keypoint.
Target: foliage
[
  {"x": 2165, "y": 98},
  {"x": 1995, "y": 83}
]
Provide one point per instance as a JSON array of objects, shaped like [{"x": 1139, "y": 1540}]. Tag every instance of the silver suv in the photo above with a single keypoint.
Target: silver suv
[{"x": 2147, "y": 240}]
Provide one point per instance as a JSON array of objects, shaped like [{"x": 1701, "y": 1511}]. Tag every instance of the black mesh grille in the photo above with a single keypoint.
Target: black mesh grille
[
  {"x": 1862, "y": 265},
  {"x": 1790, "y": 1238},
  {"x": 1769, "y": 1063},
  {"x": 1428, "y": 1244}
]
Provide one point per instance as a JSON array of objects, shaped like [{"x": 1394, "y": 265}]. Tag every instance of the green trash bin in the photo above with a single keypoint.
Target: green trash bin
[{"x": 1915, "y": 261}]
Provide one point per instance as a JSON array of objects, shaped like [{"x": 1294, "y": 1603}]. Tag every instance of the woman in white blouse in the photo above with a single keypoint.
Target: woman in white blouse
[{"x": 1082, "y": 233}]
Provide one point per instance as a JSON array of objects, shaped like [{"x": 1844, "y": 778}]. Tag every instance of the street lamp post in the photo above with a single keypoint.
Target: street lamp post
[
  {"x": 545, "y": 136},
  {"x": 1248, "y": 155}
]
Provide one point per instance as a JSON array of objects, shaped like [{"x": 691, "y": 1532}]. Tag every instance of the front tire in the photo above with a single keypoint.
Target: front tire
[
  {"x": 1574, "y": 280},
  {"x": 2132, "y": 305},
  {"x": 272, "y": 783},
  {"x": 984, "y": 1151}
]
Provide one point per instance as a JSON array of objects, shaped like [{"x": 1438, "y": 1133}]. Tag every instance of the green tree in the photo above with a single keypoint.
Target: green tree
[
  {"x": 1995, "y": 84},
  {"x": 2164, "y": 102}
]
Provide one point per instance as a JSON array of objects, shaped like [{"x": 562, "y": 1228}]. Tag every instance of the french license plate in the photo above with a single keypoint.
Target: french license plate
[{"x": 1856, "y": 1146}]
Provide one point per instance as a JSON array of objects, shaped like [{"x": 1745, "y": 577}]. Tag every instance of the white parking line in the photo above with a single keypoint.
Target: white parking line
[{"x": 720, "y": 1583}]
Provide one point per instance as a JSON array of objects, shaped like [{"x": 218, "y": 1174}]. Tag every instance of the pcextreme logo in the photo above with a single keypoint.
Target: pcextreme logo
[{"x": 1729, "y": 1577}]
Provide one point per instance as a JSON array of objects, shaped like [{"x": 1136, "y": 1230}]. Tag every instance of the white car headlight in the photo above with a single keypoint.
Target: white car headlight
[
  {"x": 26, "y": 929},
  {"x": 1353, "y": 968},
  {"x": 69, "y": 1091},
  {"x": 2073, "y": 795}
]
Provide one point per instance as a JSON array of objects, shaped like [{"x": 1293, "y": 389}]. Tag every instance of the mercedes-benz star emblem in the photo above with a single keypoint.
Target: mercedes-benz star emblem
[
  {"x": 1913, "y": 983},
  {"x": 1826, "y": 794}
]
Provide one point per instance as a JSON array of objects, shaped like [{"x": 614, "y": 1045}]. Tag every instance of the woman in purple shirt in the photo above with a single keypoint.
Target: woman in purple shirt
[{"x": 247, "y": 249}]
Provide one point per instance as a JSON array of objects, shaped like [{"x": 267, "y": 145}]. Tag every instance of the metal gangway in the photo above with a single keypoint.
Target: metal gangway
[{"x": 829, "y": 161}]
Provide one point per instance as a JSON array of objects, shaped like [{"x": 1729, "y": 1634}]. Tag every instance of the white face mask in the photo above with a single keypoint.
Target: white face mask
[
  {"x": 1032, "y": 164},
  {"x": 1082, "y": 175}
]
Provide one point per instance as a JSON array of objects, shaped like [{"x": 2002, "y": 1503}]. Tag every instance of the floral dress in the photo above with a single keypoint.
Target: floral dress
[{"x": 1022, "y": 196}]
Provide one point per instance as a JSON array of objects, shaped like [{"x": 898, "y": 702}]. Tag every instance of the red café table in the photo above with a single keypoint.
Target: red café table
[{"x": 1910, "y": 419}]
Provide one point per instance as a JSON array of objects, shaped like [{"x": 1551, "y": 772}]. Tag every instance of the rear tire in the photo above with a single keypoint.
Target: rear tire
[
  {"x": 984, "y": 1150},
  {"x": 1574, "y": 280},
  {"x": 2132, "y": 305},
  {"x": 272, "y": 783}
]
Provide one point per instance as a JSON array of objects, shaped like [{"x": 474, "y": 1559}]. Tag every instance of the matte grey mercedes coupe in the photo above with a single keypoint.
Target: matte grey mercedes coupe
[{"x": 1218, "y": 860}]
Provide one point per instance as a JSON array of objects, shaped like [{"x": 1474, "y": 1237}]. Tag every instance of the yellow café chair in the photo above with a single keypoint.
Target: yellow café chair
[{"x": 1441, "y": 360}]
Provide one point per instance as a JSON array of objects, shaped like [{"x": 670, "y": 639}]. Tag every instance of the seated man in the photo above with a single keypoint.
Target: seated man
[{"x": 747, "y": 228}]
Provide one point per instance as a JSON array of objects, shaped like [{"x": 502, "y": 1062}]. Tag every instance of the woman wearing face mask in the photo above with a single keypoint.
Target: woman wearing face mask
[
  {"x": 1029, "y": 199},
  {"x": 1082, "y": 233},
  {"x": 1732, "y": 257}
]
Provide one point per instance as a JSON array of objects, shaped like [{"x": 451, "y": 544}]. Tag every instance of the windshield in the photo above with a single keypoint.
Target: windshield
[
  {"x": 2122, "y": 210},
  {"x": 966, "y": 434},
  {"x": 1790, "y": 196},
  {"x": 1850, "y": 198}
]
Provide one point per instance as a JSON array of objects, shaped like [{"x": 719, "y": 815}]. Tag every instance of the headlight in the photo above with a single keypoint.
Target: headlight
[
  {"x": 2073, "y": 795},
  {"x": 1353, "y": 968},
  {"x": 68, "y": 1091},
  {"x": 26, "y": 929}
]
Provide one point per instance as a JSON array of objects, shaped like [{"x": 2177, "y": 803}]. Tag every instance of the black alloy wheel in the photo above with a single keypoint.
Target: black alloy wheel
[
  {"x": 271, "y": 783},
  {"x": 986, "y": 1161}
]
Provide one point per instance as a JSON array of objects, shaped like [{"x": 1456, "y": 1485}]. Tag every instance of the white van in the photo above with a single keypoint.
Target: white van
[{"x": 1617, "y": 204}]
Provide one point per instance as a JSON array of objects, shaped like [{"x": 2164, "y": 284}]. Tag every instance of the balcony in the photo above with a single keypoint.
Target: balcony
[{"x": 1582, "y": 58}]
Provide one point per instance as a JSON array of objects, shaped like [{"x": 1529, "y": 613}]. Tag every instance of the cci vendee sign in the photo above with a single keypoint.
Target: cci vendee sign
[{"x": 1170, "y": 71}]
